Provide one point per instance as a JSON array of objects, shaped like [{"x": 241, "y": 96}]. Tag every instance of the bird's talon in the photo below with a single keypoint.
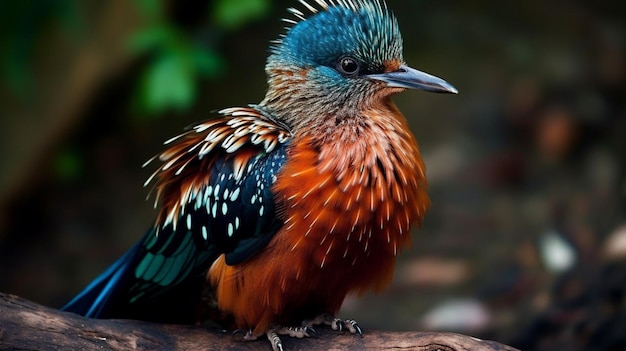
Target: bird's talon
[
  {"x": 337, "y": 324},
  {"x": 294, "y": 332},
  {"x": 354, "y": 327},
  {"x": 277, "y": 344}
]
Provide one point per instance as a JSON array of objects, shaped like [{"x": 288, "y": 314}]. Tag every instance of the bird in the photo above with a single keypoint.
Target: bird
[{"x": 269, "y": 215}]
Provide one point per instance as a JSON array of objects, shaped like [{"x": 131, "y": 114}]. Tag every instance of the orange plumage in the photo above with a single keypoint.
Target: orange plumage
[{"x": 347, "y": 206}]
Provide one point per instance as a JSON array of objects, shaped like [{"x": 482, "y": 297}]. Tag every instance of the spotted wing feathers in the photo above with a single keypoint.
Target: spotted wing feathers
[{"x": 214, "y": 192}]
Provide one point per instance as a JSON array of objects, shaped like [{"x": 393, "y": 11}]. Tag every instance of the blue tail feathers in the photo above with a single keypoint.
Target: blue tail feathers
[
  {"x": 160, "y": 279},
  {"x": 96, "y": 300}
]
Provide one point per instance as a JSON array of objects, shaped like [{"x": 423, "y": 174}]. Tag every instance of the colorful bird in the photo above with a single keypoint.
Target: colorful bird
[{"x": 273, "y": 213}]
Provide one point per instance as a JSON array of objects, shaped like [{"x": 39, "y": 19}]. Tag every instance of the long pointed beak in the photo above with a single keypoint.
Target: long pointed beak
[{"x": 410, "y": 78}]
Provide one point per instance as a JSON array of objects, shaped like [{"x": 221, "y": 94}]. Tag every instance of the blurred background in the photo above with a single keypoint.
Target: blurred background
[{"x": 525, "y": 242}]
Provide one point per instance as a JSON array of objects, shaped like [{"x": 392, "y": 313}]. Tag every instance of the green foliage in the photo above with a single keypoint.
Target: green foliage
[
  {"x": 169, "y": 78},
  {"x": 232, "y": 14},
  {"x": 176, "y": 62}
]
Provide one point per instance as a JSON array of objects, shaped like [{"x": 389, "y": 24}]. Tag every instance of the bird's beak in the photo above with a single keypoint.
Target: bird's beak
[{"x": 410, "y": 78}]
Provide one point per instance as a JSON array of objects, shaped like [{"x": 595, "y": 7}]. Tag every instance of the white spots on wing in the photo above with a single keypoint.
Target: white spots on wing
[
  {"x": 235, "y": 194},
  {"x": 205, "y": 234},
  {"x": 207, "y": 194},
  {"x": 231, "y": 230},
  {"x": 208, "y": 206},
  {"x": 199, "y": 198},
  {"x": 215, "y": 207},
  {"x": 170, "y": 219},
  {"x": 214, "y": 210}
]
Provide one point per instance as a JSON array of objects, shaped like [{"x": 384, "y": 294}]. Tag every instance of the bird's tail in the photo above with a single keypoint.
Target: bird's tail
[{"x": 96, "y": 299}]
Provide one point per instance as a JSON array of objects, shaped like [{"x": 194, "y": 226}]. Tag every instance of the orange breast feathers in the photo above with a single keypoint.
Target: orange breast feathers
[{"x": 348, "y": 200}]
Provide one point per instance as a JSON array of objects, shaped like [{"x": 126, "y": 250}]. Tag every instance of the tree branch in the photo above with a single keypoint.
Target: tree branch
[{"x": 25, "y": 325}]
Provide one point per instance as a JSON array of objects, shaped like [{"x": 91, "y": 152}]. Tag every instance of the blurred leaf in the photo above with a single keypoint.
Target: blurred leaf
[
  {"x": 231, "y": 14},
  {"x": 151, "y": 38},
  {"x": 168, "y": 82},
  {"x": 208, "y": 62},
  {"x": 169, "y": 79}
]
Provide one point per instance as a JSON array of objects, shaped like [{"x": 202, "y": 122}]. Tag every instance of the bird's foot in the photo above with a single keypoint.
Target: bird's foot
[
  {"x": 335, "y": 323},
  {"x": 306, "y": 330},
  {"x": 273, "y": 335}
]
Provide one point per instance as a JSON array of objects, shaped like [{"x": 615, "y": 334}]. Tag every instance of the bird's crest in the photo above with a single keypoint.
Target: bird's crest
[
  {"x": 325, "y": 29},
  {"x": 323, "y": 5}
]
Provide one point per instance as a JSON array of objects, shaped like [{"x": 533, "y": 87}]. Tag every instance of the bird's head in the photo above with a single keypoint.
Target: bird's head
[{"x": 345, "y": 54}]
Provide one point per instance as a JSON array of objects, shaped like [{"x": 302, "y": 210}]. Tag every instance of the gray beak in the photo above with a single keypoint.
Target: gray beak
[{"x": 410, "y": 78}]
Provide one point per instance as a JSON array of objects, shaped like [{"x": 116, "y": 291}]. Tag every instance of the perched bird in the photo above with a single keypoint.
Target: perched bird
[{"x": 273, "y": 213}]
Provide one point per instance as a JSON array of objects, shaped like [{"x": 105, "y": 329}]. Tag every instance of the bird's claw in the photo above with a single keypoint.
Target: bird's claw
[
  {"x": 274, "y": 339},
  {"x": 335, "y": 323},
  {"x": 304, "y": 331},
  {"x": 295, "y": 332},
  {"x": 273, "y": 335},
  {"x": 353, "y": 327}
]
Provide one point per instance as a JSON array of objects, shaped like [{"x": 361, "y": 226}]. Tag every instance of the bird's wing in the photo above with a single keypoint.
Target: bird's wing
[
  {"x": 214, "y": 186},
  {"x": 214, "y": 190}
]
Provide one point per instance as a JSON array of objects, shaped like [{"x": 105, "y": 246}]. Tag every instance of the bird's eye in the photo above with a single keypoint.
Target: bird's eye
[{"x": 348, "y": 66}]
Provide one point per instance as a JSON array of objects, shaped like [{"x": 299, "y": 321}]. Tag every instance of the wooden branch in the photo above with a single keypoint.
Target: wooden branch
[{"x": 25, "y": 325}]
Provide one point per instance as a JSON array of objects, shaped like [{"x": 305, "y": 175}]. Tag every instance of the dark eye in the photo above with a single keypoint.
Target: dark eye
[{"x": 348, "y": 66}]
